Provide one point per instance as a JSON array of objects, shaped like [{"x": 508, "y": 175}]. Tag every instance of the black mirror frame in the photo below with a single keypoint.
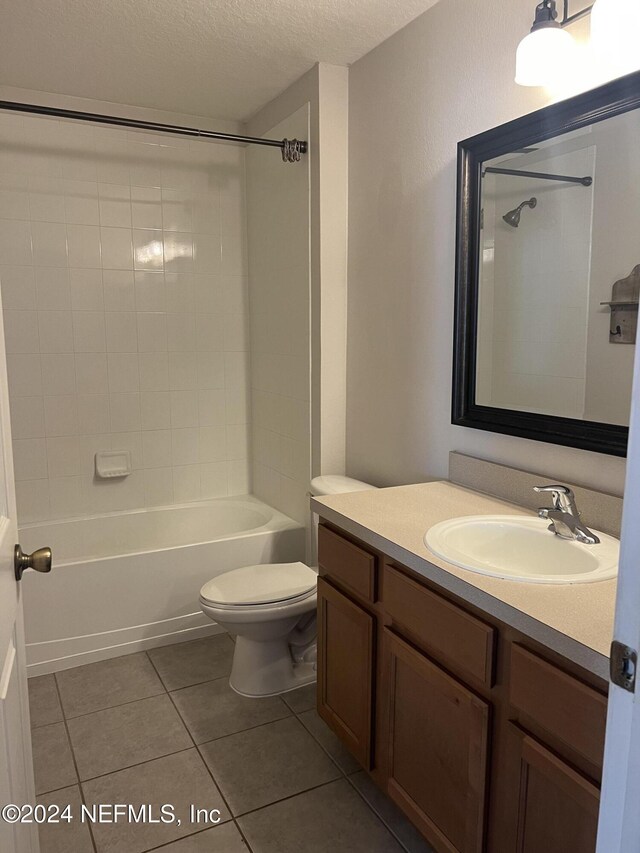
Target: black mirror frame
[{"x": 607, "y": 101}]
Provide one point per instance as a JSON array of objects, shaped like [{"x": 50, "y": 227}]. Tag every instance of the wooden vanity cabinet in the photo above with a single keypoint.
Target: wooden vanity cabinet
[{"x": 486, "y": 741}]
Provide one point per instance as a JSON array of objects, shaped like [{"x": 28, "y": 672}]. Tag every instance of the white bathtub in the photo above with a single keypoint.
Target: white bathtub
[{"x": 123, "y": 582}]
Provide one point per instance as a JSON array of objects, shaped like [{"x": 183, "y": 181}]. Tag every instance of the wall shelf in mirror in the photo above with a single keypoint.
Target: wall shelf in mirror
[{"x": 531, "y": 340}]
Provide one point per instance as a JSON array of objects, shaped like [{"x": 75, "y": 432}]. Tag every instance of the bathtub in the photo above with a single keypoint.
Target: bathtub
[{"x": 123, "y": 582}]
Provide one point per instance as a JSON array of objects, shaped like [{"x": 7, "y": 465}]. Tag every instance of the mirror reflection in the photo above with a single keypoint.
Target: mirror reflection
[{"x": 560, "y": 274}]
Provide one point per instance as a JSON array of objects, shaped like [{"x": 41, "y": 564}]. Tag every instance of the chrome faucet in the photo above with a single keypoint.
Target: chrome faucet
[{"x": 564, "y": 515}]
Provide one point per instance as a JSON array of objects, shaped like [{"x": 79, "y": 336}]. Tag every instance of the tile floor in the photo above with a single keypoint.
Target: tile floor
[{"x": 164, "y": 727}]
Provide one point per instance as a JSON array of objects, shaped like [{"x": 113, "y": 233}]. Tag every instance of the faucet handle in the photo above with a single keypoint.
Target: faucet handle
[{"x": 562, "y": 496}]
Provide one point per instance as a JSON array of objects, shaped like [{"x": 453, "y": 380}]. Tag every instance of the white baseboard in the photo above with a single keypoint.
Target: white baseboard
[{"x": 69, "y": 652}]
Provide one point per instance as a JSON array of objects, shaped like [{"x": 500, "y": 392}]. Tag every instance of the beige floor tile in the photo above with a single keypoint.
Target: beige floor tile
[
  {"x": 184, "y": 664},
  {"x": 262, "y": 765},
  {"x": 179, "y": 780},
  {"x": 107, "y": 683},
  {"x": 65, "y": 837},
  {"x": 44, "y": 703},
  {"x": 303, "y": 699},
  {"x": 120, "y": 737},
  {"x": 213, "y": 710},
  {"x": 222, "y": 839},
  {"x": 52, "y": 759},
  {"x": 332, "y": 818},
  {"x": 329, "y": 741}
]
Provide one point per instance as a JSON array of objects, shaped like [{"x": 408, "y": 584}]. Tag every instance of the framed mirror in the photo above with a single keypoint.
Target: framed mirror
[{"x": 548, "y": 272}]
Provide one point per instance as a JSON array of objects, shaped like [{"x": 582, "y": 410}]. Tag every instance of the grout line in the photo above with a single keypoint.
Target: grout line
[
  {"x": 75, "y": 763},
  {"x": 289, "y": 797},
  {"x": 108, "y": 708}
]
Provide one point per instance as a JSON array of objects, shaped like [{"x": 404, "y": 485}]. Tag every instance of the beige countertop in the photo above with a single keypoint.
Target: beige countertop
[{"x": 575, "y": 620}]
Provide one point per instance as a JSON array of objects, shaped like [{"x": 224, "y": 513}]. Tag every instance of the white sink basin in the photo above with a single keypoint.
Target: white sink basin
[{"x": 520, "y": 548}]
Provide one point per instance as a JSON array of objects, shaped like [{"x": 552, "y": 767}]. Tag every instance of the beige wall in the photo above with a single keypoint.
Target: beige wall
[{"x": 446, "y": 76}]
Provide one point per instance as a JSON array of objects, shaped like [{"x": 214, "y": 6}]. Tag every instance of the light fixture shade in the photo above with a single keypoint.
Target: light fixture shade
[
  {"x": 544, "y": 55},
  {"x": 615, "y": 34}
]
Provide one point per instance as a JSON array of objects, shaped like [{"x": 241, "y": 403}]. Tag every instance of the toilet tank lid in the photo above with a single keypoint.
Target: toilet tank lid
[{"x": 336, "y": 484}]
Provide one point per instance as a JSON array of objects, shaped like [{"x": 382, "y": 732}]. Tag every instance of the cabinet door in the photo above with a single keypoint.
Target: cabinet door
[
  {"x": 437, "y": 740},
  {"x": 345, "y": 670},
  {"x": 557, "y": 806}
]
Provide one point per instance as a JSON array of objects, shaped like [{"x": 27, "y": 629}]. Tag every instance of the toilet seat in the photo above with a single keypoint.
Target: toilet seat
[{"x": 260, "y": 586}]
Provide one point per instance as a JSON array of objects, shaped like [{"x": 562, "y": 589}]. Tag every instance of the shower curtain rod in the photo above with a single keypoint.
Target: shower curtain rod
[
  {"x": 586, "y": 181},
  {"x": 291, "y": 149}
]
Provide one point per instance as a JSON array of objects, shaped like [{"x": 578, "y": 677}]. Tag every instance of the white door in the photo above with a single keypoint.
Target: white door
[
  {"x": 619, "y": 826},
  {"x": 16, "y": 766}
]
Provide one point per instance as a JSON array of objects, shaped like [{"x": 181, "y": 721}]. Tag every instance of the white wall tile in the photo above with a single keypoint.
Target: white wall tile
[
  {"x": 86, "y": 290},
  {"x": 186, "y": 483},
  {"x": 156, "y": 448},
  {"x": 121, "y": 331},
  {"x": 151, "y": 293},
  {"x": 214, "y": 480},
  {"x": 184, "y": 409},
  {"x": 148, "y": 250},
  {"x": 125, "y": 412},
  {"x": 81, "y": 202},
  {"x": 18, "y": 287},
  {"x": 24, "y": 374},
  {"x": 27, "y": 417},
  {"x": 30, "y": 458},
  {"x": 156, "y": 410},
  {"x": 115, "y": 317},
  {"x": 84, "y": 246},
  {"x": 15, "y": 242},
  {"x": 61, "y": 415},
  {"x": 91, "y": 372},
  {"x": 184, "y": 446},
  {"x": 123, "y": 371},
  {"x": 32, "y": 498},
  {"x": 181, "y": 332},
  {"x": 59, "y": 373},
  {"x": 212, "y": 444},
  {"x": 119, "y": 294},
  {"x": 211, "y": 408},
  {"x": 117, "y": 250},
  {"x": 63, "y": 455},
  {"x": 66, "y": 497},
  {"x": 21, "y": 332},
  {"x": 55, "y": 331},
  {"x": 183, "y": 371},
  {"x": 152, "y": 332},
  {"x": 94, "y": 416},
  {"x": 146, "y": 207},
  {"x": 89, "y": 331},
  {"x": 158, "y": 487},
  {"x": 154, "y": 371},
  {"x": 239, "y": 476}
]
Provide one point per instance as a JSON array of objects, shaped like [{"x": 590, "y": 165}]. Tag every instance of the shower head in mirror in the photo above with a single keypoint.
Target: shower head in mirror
[{"x": 513, "y": 217}]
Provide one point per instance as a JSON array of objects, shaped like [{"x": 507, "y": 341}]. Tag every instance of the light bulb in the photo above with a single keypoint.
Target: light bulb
[
  {"x": 543, "y": 56},
  {"x": 615, "y": 33}
]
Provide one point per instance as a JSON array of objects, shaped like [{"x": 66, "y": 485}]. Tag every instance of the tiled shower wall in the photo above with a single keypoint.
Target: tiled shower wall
[{"x": 123, "y": 276}]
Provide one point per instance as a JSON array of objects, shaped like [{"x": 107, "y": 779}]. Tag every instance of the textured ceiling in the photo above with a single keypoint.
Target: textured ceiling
[{"x": 205, "y": 57}]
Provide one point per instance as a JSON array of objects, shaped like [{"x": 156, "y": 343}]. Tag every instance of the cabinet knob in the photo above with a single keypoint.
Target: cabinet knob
[{"x": 40, "y": 560}]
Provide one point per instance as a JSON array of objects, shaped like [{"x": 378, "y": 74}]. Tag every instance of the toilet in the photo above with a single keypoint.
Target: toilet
[{"x": 271, "y": 609}]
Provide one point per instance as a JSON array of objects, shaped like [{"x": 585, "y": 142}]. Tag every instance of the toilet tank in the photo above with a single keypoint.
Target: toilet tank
[{"x": 329, "y": 484}]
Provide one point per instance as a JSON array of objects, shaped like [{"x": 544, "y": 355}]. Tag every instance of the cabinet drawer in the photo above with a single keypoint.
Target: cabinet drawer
[
  {"x": 452, "y": 635},
  {"x": 351, "y": 566},
  {"x": 559, "y": 703}
]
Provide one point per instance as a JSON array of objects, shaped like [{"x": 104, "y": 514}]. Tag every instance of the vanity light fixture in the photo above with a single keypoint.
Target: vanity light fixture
[{"x": 547, "y": 53}]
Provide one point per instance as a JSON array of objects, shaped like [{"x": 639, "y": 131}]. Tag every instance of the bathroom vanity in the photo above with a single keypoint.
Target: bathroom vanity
[{"x": 477, "y": 704}]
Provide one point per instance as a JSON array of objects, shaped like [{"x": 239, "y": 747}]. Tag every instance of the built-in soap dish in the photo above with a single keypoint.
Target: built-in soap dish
[{"x": 113, "y": 463}]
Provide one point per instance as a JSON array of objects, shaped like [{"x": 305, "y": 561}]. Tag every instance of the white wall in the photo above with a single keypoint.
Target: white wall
[
  {"x": 279, "y": 295},
  {"x": 446, "y": 76},
  {"x": 124, "y": 287}
]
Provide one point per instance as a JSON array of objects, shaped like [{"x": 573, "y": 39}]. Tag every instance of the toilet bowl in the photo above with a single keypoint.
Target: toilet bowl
[{"x": 270, "y": 608}]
